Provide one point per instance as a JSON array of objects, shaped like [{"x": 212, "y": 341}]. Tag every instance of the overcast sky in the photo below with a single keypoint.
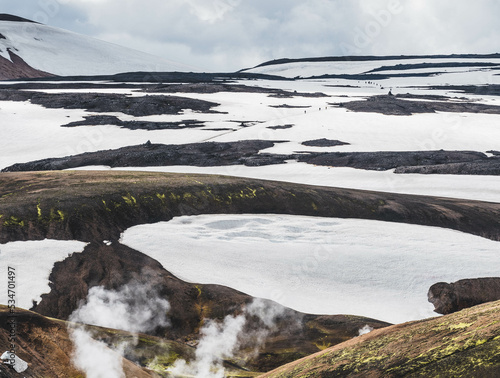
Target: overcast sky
[{"x": 227, "y": 35}]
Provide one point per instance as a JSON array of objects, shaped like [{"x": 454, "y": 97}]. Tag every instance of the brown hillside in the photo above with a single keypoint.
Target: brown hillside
[{"x": 464, "y": 344}]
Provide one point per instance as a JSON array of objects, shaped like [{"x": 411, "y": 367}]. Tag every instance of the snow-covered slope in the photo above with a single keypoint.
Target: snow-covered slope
[
  {"x": 455, "y": 66},
  {"x": 64, "y": 53}
]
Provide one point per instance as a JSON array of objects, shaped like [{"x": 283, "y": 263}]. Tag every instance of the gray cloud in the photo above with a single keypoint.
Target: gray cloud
[{"x": 232, "y": 34}]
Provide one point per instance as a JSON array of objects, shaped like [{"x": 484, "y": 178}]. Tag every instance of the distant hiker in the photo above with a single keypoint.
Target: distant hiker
[{"x": 390, "y": 93}]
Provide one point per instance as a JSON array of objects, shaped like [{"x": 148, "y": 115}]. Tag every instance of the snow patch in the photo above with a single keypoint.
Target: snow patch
[{"x": 33, "y": 262}]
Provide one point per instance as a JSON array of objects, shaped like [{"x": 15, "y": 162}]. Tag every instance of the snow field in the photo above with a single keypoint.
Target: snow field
[{"x": 319, "y": 265}]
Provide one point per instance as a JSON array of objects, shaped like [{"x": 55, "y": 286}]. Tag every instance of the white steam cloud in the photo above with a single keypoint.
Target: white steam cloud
[
  {"x": 220, "y": 341},
  {"x": 135, "y": 307},
  {"x": 94, "y": 357},
  {"x": 366, "y": 329}
]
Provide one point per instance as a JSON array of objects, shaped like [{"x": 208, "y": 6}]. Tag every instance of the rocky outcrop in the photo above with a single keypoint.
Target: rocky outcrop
[
  {"x": 448, "y": 298},
  {"x": 134, "y": 125},
  {"x": 490, "y": 167},
  {"x": 323, "y": 142},
  {"x": 111, "y": 102},
  {"x": 396, "y": 105},
  {"x": 384, "y": 160},
  {"x": 206, "y": 154}
]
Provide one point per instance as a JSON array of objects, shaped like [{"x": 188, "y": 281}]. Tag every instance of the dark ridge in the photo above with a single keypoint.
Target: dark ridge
[
  {"x": 385, "y": 160},
  {"x": 248, "y": 153},
  {"x": 489, "y": 167},
  {"x": 9, "y": 17},
  {"x": 483, "y": 90},
  {"x": 208, "y": 154},
  {"x": 364, "y": 58},
  {"x": 171, "y": 77},
  {"x": 2, "y": 36},
  {"x": 402, "y": 67},
  {"x": 366, "y": 77},
  {"x": 96, "y": 206}
]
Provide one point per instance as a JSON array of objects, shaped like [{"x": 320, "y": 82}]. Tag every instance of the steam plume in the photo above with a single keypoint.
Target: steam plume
[{"x": 135, "y": 307}]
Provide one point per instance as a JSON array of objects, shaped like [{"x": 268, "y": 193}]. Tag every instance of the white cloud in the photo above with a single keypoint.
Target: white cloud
[{"x": 232, "y": 34}]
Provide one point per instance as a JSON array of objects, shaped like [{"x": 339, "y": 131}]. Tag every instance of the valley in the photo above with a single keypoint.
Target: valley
[{"x": 286, "y": 220}]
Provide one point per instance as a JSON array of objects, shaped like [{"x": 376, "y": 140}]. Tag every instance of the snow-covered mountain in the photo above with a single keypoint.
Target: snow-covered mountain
[{"x": 29, "y": 49}]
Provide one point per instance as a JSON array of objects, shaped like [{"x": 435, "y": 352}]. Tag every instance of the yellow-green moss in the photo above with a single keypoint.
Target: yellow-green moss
[
  {"x": 13, "y": 222},
  {"x": 175, "y": 197},
  {"x": 130, "y": 200},
  {"x": 198, "y": 287},
  {"x": 323, "y": 345},
  {"x": 460, "y": 326},
  {"x": 56, "y": 215},
  {"x": 106, "y": 206}
]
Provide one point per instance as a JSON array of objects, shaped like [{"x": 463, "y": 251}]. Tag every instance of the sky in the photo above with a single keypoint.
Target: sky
[{"x": 229, "y": 35}]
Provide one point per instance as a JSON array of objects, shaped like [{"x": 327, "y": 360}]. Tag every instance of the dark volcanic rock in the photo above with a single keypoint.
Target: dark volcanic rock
[
  {"x": 134, "y": 125},
  {"x": 385, "y": 160},
  {"x": 452, "y": 297},
  {"x": 111, "y": 103},
  {"x": 280, "y": 127},
  {"x": 396, "y": 105},
  {"x": 195, "y": 154},
  {"x": 324, "y": 143},
  {"x": 489, "y": 167},
  {"x": 483, "y": 90},
  {"x": 247, "y": 153},
  {"x": 286, "y": 106}
]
